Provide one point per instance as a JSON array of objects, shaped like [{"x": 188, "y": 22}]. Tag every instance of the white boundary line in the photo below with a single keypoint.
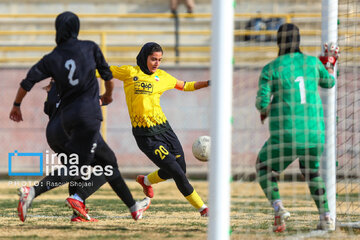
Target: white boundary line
[
  {"x": 355, "y": 225},
  {"x": 315, "y": 233}
]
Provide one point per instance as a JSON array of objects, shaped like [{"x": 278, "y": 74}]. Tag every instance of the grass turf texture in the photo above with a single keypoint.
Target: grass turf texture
[{"x": 170, "y": 216}]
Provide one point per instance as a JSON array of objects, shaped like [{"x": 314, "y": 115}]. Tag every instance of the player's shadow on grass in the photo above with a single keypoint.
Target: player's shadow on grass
[{"x": 77, "y": 226}]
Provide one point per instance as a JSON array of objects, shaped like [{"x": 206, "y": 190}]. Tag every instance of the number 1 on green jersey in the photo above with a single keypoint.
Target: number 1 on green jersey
[{"x": 300, "y": 80}]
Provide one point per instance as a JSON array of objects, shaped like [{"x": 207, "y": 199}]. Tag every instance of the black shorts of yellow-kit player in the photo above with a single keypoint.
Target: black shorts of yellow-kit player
[{"x": 165, "y": 150}]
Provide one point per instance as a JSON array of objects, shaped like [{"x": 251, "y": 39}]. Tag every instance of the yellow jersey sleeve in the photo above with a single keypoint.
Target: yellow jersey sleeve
[
  {"x": 121, "y": 73},
  {"x": 97, "y": 74}
]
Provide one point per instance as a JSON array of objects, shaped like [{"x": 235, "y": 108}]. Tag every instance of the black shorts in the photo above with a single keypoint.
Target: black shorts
[
  {"x": 162, "y": 147},
  {"x": 55, "y": 134}
]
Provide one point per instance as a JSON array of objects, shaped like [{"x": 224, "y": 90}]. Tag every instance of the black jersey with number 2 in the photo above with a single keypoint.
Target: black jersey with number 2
[{"x": 72, "y": 65}]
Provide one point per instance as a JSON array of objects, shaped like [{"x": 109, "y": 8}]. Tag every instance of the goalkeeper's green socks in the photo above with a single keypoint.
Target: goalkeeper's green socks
[
  {"x": 318, "y": 193},
  {"x": 269, "y": 185}
]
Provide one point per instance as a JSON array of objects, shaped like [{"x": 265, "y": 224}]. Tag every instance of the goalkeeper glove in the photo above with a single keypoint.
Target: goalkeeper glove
[{"x": 330, "y": 55}]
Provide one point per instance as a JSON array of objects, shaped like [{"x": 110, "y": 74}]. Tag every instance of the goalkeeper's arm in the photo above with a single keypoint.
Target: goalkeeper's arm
[{"x": 191, "y": 86}]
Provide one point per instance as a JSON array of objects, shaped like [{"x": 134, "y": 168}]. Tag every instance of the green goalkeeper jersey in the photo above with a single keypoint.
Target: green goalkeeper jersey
[{"x": 288, "y": 88}]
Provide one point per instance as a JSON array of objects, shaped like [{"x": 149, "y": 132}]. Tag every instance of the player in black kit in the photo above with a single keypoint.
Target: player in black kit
[
  {"x": 72, "y": 65},
  {"x": 80, "y": 190}
]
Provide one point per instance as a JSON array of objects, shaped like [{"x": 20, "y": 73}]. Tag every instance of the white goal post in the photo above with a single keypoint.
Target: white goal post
[
  {"x": 221, "y": 112},
  {"x": 329, "y": 33}
]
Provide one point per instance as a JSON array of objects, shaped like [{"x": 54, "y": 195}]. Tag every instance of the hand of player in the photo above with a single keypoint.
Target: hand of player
[
  {"x": 105, "y": 100},
  {"x": 15, "y": 114},
  {"x": 330, "y": 56},
  {"x": 263, "y": 116},
  {"x": 47, "y": 87}
]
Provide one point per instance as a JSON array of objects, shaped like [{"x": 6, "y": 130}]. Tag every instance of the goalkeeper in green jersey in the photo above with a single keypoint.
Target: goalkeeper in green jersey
[{"x": 288, "y": 94}]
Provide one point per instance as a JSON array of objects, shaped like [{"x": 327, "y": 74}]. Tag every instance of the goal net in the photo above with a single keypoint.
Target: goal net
[
  {"x": 249, "y": 135},
  {"x": 348, "y": 113}
]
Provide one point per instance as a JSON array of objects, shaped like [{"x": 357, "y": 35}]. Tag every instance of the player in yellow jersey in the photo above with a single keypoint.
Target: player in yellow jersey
[{"x": 143, "y": 86}]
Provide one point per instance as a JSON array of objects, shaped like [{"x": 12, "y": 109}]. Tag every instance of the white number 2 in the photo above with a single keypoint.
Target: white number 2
[
  {"x": 70, "y": 65},
  {"x": 302, "y": 89}
]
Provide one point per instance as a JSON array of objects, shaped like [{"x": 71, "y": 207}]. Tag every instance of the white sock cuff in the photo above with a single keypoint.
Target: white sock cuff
[
  {"x": 202, "y": 208},
  {"x": 277, "y": 204},
  {"x": 32, "y": 192},
  {"x": 146, "y": 181},
  {"x": 133, "y": 208},
  {"x": 324, "y": 215},
  {"x": 77, "y": 197}
]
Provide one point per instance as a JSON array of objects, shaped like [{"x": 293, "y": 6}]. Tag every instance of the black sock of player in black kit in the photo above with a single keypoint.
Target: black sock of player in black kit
[
  {"x": 106, "y": 158},
  {"x": 119, "y": 186},
  {"x": 49, "y": 182},
  {"x": 84, "y": 189}
]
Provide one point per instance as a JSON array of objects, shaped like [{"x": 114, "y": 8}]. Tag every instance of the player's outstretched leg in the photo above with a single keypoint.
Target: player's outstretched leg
[
  {"x": 27, "y": 195},
  {"x": 139, "y": 208},
  {"x": 172, "y": 167},
  {"x": 174, "y": 170},
  {"x": 181, "y": 181},
  {"x": 195, "y": 200}
]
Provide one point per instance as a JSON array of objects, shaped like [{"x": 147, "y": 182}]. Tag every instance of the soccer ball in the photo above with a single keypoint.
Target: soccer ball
[{"x": 201, "y": 148}]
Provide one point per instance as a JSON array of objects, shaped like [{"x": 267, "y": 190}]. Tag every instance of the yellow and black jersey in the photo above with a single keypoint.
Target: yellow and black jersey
[{"x": 143, "y": 93}]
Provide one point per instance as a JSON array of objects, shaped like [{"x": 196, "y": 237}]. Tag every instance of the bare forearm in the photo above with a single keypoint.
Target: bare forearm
[
  {"x": 20, "y": 95},
  {"x": 201, "y": 84},
  {"x": 109, "y": 87},
  {"x": 15, "y": 113},
  {"x": 191, "y": 86}
]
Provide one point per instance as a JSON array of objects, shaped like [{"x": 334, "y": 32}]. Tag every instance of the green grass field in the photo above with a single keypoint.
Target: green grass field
[{"x": 170, "y": 216}]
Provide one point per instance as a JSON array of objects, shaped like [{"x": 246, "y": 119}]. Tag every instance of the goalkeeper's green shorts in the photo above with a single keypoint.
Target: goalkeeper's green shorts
[{"x": 277, "y": 157}]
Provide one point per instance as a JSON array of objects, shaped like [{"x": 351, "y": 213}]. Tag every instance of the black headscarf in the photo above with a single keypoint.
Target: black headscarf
[
  {"x": 148, "y": 49},
  {"x": 67, "y": 25},
  {"x": 288, "y": 39}
]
